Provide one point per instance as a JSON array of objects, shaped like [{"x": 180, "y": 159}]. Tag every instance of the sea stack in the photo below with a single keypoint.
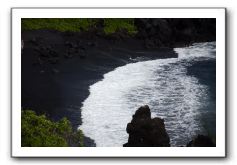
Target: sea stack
[{"x": 146, "y": 132}]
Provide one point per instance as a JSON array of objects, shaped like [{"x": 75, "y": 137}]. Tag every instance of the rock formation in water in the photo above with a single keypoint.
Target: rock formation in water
[
  {"x": 201, "y": 141},
  {"x": 146, "y": 132}
]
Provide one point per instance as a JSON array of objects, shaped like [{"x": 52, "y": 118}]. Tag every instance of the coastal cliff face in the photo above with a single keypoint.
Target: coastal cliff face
[{"x": 146, "y": 132}]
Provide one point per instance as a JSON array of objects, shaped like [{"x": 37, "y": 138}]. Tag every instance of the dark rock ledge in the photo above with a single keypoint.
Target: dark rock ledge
[{"x": 147, "y": 132}]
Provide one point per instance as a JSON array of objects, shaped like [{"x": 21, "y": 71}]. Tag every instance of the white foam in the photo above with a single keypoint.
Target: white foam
[{"x": 162, "y": 84}]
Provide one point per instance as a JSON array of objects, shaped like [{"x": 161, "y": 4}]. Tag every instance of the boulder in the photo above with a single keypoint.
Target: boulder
[
  {"x": 201, "y": 141},
  {"x": 146, "y": 132}
]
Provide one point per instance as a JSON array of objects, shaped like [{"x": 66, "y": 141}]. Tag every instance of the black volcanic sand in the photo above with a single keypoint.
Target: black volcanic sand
[{"x": 58, "y": 84}]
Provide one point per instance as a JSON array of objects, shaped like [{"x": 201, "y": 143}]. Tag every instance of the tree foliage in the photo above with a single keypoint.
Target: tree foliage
[{"x": 39, "y": 131}]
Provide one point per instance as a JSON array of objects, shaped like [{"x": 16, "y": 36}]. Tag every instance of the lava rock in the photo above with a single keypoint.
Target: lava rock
[
  {"x": 36, "y": 41},
  {"x": 68, "y": 55},
  {"x": 69, "y": 44},
  {"x": 91, "y": 44},
  {"x": 146, "y": 132},
  {"x": 201, "y": 141},
  {"x": 53, "y": 53},
  {"x": 82, "y": 55},
  {"x": 55, "y": 71},
  {"x": 174, "y": 31},
  {"x": 54, "y": 60}
]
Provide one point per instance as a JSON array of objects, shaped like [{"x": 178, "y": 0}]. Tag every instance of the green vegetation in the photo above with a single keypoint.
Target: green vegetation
[
  {"x": 112, "y": 25},
  {"x": 109, "y": 25},
  {"x": 39, "y": 131},
  {"x": 60, "y": 24}
]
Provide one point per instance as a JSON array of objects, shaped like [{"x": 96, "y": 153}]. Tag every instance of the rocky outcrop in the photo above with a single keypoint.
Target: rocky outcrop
[
  {"x": 201, "y": 141},
  {"x": 146, "y": 132},
  {"x": 173, "y": 32}
]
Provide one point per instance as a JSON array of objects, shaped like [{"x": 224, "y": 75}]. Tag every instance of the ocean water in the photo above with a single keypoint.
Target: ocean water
[{"x": 179, "y": 90}]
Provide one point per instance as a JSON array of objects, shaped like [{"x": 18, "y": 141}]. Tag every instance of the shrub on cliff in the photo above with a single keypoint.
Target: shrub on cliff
[{"x": 39, "y": 131}]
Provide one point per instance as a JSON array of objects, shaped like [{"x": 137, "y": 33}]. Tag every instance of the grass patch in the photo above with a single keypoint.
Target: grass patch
[
  {"x": 39, "y": 131},
  {"x": 109, "y": 25}
]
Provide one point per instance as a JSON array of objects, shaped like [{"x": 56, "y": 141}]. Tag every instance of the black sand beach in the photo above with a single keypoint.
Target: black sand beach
[
  {"x": 57, "y": 68},
  {"x": 58, "y": 85}
]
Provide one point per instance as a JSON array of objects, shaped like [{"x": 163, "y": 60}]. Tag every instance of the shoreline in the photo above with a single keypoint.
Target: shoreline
[
  {"x": 174, "y": 95},
  {"x": 53, "y": 87},
  {"x": 59, "y": 67}
]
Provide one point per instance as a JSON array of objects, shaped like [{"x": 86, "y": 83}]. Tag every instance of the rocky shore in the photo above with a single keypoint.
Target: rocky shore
[
  {"x": 58, "y": 67},
  {"x": 147, "y": 132},
  {"x": 170, "y": 32}
]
